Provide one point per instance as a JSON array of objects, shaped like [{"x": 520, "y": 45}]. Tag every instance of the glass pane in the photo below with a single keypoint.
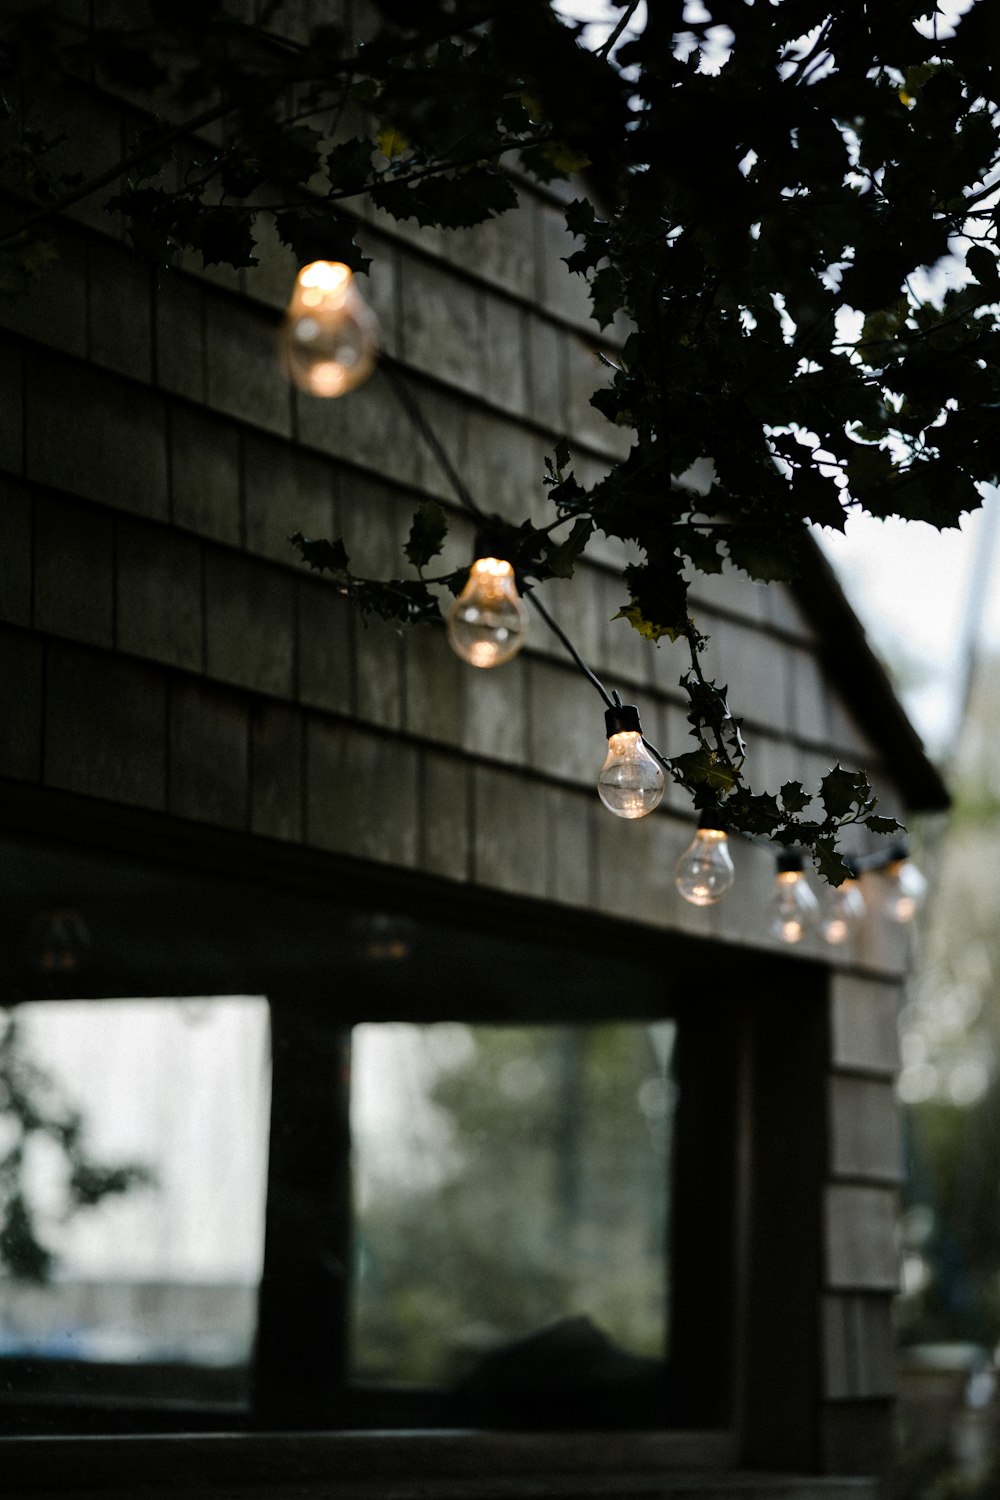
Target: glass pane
[
  {"x": 508, "y": 1179},
  {"x": 133, "y": 1153}
]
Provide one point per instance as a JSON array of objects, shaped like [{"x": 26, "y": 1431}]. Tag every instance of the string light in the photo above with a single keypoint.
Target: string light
[
  {"x": 843, "y": 908},
  {"x": 794, "y": 908},
  {"x": 631, "y": 783},
  {"x": 329, "y": 345},
  {"x": 488, "y": 623},
  {"x": 705, "y": 870},
  {"x": 329, "y": 338},
  {"x": 906, "y": 886}
]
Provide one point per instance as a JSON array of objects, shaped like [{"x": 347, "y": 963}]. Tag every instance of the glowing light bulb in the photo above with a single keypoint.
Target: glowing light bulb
[
  {"x": 794, "y": 908},
  {"x": 843, "y": 909},
  {"x": 329, "y": 339},
  {"x": 631, "y": 783},
  {"x": 705, "y": 870},
  {"x": 905, "y": 886},
  {"x": 488, "y": 624}
]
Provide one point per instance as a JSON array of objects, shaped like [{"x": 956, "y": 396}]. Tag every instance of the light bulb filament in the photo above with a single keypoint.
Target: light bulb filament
[
  {"x": 705, "y": 870},
  {"x": 630, "y": 783},
  {"x": 329, "y": 338},
  {"x": 487, "y": 623},
  {"x": 794, "y": 907}
]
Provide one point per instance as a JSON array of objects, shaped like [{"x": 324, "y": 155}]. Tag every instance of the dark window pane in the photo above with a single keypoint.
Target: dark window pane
[{"x": 507, "y": 1178}]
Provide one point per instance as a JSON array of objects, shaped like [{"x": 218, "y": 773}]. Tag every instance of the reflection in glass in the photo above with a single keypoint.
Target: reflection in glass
[
  {"x": 164, "y": 1268},
  {"x": 506, "y": 1178}
]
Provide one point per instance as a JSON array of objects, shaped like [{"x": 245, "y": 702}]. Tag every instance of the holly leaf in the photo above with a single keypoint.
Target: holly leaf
[
  {"x": 732, "y": 733},
  {"x": 453, "y": 201},
  {"x": 708, "y": 702},
  {"x": 559, "y": 461},
  {"x": 721, "y": 778},
  {"x": 700, "y": 546},
  {"x": 321, "y": 237},
  {"x": 580, "y": 216},
  {"x": 607, "y": 294},
  {"x": 794, "y": 797},
  {"x": 983, "y": 265},
  {"x": 759, "y": 813},
  {"x": 427, "y": 534},
  {"x": 391, "y": 142},
  {"x": 841, "y": 791},
  {"x": 647, "y": 628},
  {"x": 658, "y": 590},
  {"x": 764, "y": 555},
  {"x": 829, "y": 861},
  {"x": 349, "y": 165},
  {"x": 406, "y": 601},
  {"x": 702, "y": 767},
  {"x": 289, "y": 154},
  {"x": 553, "y": 159},
  {"x": 563, "y": 556},
  {"x": 226, "y": 239},
  {"x": 877, "y": 824},
  {"x": 323, "y": 556}
]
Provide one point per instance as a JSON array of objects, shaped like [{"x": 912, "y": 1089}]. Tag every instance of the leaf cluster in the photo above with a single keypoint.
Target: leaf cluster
[
  {"x": 32, "y": 1108},
  {"x": 759, "y": 229}
]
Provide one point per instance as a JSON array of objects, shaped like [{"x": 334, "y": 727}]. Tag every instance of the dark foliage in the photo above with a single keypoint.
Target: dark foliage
[{"x": 764, "y": 194}]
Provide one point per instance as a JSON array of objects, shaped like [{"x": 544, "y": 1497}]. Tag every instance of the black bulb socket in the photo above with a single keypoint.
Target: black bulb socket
[
  {"x": 313, "y": 242},
  {"x": 790, "y": 861},
  {"x": 713, "y": 817},
  {"x": 494, "y": 543},
  {"x": 621, "y": 719}
]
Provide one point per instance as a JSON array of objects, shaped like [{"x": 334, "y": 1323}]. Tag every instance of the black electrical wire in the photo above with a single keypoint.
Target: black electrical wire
[{"x": 411, "y": 407}]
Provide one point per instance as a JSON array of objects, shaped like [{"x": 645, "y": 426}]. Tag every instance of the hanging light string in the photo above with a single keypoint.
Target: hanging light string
[
  {"x": 411, "y": 406},
  {"x": 610, "y": 701},
  {"x": 705, "y": 871}
]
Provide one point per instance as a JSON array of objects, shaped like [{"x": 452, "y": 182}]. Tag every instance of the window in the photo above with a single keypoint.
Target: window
[
  {"x": 133, "y": 1149},
  {"x": 508, "y": 1179},
  {"x": 461, "y": 1210}
]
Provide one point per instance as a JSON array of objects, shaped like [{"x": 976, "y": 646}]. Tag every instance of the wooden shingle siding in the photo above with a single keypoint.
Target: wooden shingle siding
[
  {"x": 864, "y": 1129},
  {"x": 163, "y": 649},
  {"x": 863, "y": 1017},
  {"x": 861, "y": 1246},
  {"x": 859, "y": 1347},
  {"x": 203, "y": 580}
]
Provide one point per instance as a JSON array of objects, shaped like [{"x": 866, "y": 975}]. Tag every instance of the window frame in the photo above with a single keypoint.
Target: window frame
[{"x": 772, "y": 1006}]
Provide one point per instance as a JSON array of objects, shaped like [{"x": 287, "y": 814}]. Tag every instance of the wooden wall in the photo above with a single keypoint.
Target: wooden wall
[{"x": 162, "y": 649}]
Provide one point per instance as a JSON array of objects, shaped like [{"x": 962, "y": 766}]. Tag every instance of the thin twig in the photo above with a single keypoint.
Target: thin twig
[
  {"x": 69, "y": 200},
  {"x": 603, "y": 51}
]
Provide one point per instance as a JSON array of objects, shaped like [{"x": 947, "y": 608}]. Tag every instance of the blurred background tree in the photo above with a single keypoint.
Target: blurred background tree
[
  {"x": 46, "y": 1169},
  {"x": 526, "y": 1182}
]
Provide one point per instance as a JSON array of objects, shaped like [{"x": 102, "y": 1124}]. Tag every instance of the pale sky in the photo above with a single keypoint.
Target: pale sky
[{"x": 920, "y": 597}]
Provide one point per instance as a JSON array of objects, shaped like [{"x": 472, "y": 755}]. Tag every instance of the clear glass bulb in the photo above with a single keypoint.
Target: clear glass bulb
[
  {"x": 329, "y": 339},
  {"x": 705, "y": 870},
  {"x": 631, "y": 783},
  {"x": 906, "y": 891},
  {"x": 843, "y": 910},
  {"x": 488, "y": 624},
  {"x": 794, "y": 908}
]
